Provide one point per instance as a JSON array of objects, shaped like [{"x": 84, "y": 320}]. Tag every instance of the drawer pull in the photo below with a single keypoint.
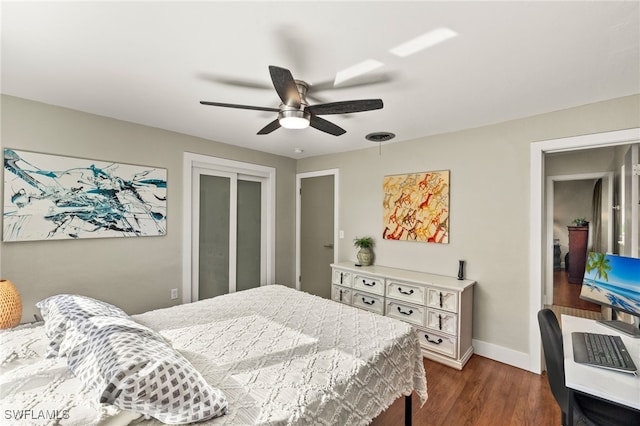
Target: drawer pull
[
  {"x": 435, "y": 342},
  {"x": 341, "y": 278},
  {"x": 368, "y": 303},
  {"x": 440, "y": 299},
  {"x": 403, "y": 312},
  {"x": 440, "y": 321},
  {"x": 371, "y": 284},
  {"x": 341, "y": 294},
  {"x": 405, "y": 292}
]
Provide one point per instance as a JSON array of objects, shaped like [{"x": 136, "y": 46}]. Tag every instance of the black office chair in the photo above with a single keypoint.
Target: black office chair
[{"x": 586, "y": 410}]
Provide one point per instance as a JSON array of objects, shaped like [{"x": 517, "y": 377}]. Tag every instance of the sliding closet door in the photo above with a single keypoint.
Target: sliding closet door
[
  {"x": 248, "y": 233},
  {"x": 229, "y": 230},
  {"x": 214, "y": 239}
]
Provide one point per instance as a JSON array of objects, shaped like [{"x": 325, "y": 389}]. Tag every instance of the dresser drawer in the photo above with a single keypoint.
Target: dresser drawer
[
  {"x": 373, "y": 285},
  {"x": 445, "y": 322},
  {"x": 413, "y": 314},
  {"x": 407, "y": 292},
  {"x": 341, "y": 294},
  {"x": 370, "y": 302},
  {"x": 442, "y": 299},
  {"x": 437, "y": 342},
  {"x": 343, "y": 278}
]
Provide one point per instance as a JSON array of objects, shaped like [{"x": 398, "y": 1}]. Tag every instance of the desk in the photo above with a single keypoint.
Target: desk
[{"x": 622, "y": 388}]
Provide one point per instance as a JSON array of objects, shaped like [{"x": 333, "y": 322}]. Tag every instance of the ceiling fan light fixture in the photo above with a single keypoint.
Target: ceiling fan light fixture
[{"x": 293, "y": 119}]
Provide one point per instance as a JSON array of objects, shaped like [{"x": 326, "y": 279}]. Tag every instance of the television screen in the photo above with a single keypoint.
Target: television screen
[{"x": 612, "y": 280}]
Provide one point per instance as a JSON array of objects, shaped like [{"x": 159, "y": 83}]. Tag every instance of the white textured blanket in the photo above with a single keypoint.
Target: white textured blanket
[{"x": 280, "y": 356}]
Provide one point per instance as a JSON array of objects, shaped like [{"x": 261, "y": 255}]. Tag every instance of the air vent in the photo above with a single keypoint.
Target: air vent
[{"x": 380, "y": 136}]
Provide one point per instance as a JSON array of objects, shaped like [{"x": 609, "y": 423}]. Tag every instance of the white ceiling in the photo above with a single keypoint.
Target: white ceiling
[{"x": 152, "y": 62}]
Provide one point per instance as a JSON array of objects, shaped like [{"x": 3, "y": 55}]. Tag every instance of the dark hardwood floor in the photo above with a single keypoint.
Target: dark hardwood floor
[
  {"x": 484, "y": 393},
  {"x": 487, "y": 392},
  {"x": 567, "y": 294}
]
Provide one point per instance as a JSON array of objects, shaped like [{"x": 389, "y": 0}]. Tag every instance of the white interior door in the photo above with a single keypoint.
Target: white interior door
[
  {"x": 629, "y": 238},
  {"x": 317, "y": 234},
  {"x": 317, "y": 207}
]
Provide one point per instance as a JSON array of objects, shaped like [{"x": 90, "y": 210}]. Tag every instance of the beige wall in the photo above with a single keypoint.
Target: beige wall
[
  {"x": 489, "y": 207},
  {"x": 489, "y": 217},
  {"x": 572, "y": 199},
  {"x": 134, "y": 273}
]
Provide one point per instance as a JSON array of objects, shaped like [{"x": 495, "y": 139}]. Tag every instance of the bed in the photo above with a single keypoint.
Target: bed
[{"x": 280, "y": 356}]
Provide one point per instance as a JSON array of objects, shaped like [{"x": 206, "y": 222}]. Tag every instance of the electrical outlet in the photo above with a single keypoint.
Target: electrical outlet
[
  {"x": 174, "y": 293},
  {"x": 341, "y": 234}
]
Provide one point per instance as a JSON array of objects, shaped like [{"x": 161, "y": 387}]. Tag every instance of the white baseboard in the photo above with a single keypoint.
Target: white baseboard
[{"x": 502, "y": 354}]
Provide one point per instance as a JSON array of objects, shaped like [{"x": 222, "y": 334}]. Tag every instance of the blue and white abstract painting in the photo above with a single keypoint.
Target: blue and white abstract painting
[{"x": 51, "y": 197}]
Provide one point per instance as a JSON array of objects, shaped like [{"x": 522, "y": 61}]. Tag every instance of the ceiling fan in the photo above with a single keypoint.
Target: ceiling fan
[{"x": 295, "y": 112}]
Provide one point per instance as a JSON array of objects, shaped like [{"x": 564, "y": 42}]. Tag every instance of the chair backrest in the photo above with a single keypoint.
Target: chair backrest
[{"x": 554, "y": 356}]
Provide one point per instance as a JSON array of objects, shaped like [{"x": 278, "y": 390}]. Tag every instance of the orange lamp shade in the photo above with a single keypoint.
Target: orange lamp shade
[{"x": 10, "y": 305}]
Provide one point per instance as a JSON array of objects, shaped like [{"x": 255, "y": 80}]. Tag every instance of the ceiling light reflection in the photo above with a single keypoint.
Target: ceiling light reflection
[
  {"x": 424, "y": 41},
  {"x": 356, "y": 70}
]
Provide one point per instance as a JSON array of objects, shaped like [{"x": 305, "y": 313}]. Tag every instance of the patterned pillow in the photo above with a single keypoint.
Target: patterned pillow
[
  {"x": 133, "y": 368},
  {"x": 58, "y": 310}
]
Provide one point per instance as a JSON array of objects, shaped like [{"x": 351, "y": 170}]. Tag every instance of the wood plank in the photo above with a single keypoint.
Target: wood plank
[{"x": 484, "y": 393}]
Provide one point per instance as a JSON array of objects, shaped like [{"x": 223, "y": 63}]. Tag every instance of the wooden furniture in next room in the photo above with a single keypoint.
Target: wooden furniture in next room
[{"x": 578, "y": 237}]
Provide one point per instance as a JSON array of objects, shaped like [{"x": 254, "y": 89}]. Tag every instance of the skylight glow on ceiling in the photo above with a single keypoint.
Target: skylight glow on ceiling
[
  {"x": 424, "y": 41},
  {"x": 356, "y": 70}
]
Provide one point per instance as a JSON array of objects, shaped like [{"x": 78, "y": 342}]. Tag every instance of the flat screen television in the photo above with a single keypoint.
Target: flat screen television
[{"x": 613, "y": 281}]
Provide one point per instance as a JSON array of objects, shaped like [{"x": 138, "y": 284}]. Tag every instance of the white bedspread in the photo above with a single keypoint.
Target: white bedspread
[{"x": 280, "y": 356}]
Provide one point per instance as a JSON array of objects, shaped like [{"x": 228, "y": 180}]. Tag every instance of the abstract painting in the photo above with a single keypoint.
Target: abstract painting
[
  {"x": 416, "y": 207},
  {"x": 51, "y": 197}
]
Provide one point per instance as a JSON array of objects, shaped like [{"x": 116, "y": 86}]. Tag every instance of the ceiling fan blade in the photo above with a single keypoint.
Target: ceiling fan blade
[
  {"x": 345, "y": 107},
  {"x": 285, "y": 86},
  {"x": 257, "y": 108},
  {"x": 274, "y": 125},
  {"x": 234, "y": 81},
  {"x": 326, "y": 126}
]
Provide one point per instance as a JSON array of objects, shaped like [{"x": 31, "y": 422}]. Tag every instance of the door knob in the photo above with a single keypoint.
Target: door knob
[{"x": 328, "y": 246}]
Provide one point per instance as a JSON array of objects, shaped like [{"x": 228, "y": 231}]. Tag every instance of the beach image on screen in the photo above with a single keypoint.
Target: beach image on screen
[{"x": 612, "y": 280}]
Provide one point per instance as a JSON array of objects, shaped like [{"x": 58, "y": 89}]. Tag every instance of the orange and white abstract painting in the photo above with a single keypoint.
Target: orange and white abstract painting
[{"x": 416, "y": 207}]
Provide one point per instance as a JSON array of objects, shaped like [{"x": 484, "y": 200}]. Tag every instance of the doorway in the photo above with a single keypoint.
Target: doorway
[
  {"x": 229, "y": 226},
  {"x": 572, "y": 196},
  {"x": 538, "y": 246},
  {"x": 316, "y": 230}
]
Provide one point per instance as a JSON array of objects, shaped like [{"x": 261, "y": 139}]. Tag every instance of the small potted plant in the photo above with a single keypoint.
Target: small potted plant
[
  {"x": 365, "y": 254},
  {"x": 580, "y": 221}
]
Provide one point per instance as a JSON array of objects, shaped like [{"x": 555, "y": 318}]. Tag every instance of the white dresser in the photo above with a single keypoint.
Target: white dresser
[{"x": 440, "y": 308}]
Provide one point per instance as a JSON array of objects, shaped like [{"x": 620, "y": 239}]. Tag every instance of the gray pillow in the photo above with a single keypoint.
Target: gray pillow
[
  {"x": 133, "y": 368},
  {"x": 58, "y": 310}
]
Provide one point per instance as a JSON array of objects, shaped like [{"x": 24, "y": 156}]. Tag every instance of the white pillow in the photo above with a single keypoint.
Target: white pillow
[{"x": 132, "y": 367}]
